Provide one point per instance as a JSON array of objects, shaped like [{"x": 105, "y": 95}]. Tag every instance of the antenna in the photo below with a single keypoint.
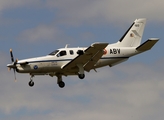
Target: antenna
[{"x": 66, "y": 46}]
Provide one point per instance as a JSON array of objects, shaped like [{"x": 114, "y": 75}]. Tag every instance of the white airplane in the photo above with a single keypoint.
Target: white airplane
[{"x": 75, "y": 61}]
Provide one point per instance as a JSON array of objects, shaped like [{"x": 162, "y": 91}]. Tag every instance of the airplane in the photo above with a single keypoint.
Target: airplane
[{"x": 76, "y": 61}]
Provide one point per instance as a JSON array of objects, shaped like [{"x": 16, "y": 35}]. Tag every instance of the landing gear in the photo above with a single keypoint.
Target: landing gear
[
  {"x": 81, "y": 71},
  {"x": 31, "y": 83},
  {"x": 81, "y": 76},
  {"x": 60, "y": 82}
]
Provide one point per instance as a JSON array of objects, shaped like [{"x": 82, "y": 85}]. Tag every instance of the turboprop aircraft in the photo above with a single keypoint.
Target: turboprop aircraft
[{"x": 76, "y": 61}]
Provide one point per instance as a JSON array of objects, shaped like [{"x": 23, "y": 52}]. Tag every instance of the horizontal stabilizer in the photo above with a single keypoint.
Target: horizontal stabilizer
[{"x": 147, "y": 45}]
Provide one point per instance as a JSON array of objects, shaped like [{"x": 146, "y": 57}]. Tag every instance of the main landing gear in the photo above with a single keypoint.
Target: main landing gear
[
  {"x": 81, "y": 76},
  {"x": 81, "y": 71},
  {"x": 60, "y": 82}
]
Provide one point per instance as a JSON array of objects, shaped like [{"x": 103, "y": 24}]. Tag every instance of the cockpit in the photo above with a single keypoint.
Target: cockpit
[{"x": 54, "y": 52}]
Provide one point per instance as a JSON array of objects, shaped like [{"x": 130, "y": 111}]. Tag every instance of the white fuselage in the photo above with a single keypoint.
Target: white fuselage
[{"x": 51, "y": 64}]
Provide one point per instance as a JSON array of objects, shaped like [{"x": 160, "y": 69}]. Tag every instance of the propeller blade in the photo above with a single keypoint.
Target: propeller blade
[
  {"x": 13, "y": 63},
  {"x": 9, "y": 69},
  {"x": 12, "y": 57},
  {"x": 15, "y": 76}
]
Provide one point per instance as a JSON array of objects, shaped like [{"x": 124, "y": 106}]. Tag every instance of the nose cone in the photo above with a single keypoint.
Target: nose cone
[{"x": 11, "y": 66}]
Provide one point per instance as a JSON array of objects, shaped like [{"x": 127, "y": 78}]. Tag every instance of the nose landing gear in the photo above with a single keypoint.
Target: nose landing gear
[{"x": 31, "y": 83}]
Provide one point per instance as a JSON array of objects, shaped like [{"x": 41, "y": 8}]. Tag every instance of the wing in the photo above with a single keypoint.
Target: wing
[{"x": 91, "y": 55}]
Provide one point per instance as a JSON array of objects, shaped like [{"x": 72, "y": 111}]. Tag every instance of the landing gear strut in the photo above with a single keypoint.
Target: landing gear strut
[
  {"x": 60, "y": 82},
  {"x": 31, "y": 83},
  {"x": 81, "y": 71}
]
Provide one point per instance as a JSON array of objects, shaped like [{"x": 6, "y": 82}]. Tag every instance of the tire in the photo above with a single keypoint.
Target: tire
[
  {"x": 31, "y": 83},
  {"x": 61, "y": 84},
  {"x": 81, "y": 76}
]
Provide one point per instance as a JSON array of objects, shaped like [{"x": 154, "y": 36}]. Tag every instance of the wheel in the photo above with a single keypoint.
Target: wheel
[
  {"x": 31, "y": 83},
  {"x": 61, "y": 84},
  {"x": 81, "y": 76}
]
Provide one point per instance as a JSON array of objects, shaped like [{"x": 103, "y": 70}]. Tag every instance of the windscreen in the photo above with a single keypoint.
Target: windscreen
[{"x": 54, "y": 52}]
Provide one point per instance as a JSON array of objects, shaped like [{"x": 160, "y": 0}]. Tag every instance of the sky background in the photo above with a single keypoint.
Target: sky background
[{"x": 133, "y": 90}]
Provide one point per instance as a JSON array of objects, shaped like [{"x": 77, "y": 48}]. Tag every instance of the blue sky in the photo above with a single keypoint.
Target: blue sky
[{"x": 131, "y": 90}]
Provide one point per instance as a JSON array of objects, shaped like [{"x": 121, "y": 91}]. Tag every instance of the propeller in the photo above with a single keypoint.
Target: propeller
[
  {"x": 11, "y": 54},
  {"x": 13, "y": 65}
]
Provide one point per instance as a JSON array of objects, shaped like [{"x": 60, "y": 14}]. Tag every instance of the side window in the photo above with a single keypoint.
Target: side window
[
  {"x": 61, "y": 53},
  {"x": 71, "y": 52}
]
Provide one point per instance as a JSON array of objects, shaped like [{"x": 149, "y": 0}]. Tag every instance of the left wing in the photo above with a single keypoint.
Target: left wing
[{"x": 91, "y": 55}]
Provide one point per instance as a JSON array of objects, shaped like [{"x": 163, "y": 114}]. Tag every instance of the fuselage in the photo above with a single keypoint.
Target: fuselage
[{"x": 52, "y": 63}]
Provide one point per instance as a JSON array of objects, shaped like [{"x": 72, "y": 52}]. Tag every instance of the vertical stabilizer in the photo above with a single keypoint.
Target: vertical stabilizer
[{"x": 133, "y": 36}]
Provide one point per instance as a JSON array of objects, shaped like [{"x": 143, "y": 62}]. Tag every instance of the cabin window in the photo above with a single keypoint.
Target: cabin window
[
  {"x": 80, "y": 52},
  {"x": 71, "y": 52},
  {"x": 62, "y": 53}
]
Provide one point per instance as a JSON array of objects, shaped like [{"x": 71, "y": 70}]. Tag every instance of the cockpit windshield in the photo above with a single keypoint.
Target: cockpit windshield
[{"x": 54, "y": 52}]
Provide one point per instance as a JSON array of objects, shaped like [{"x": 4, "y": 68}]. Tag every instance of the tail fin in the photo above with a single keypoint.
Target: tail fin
[{"x": 133, "y": 36}]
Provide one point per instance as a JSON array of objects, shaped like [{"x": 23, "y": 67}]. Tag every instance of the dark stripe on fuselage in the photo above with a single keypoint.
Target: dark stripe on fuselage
[
  {"x": 47, "y": 61},
  {"x": 114, "y": 57}
]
